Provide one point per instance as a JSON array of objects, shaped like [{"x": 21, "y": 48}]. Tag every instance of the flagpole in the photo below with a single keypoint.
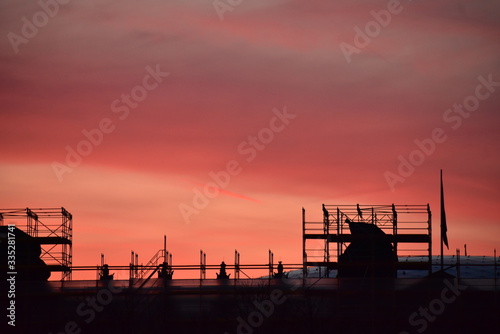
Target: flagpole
[
  {"x": 444, "y": 228},
  {"x": 441, "y": 218},
  {"x": 441, "y": 243}
]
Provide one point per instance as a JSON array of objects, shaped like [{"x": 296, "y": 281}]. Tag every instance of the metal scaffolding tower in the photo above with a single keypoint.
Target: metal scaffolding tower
[
  {"x": 52, "y": 228},
  {"x": 408, "y": 228}
]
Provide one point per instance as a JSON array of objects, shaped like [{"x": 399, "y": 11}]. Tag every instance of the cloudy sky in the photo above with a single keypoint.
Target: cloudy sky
[{"x": 127, "y": 114}]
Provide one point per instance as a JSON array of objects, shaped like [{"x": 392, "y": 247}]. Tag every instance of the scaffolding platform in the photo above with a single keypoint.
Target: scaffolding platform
[
  {"x": 52, "y": 228},
  {"x": 407, "y": 227}
]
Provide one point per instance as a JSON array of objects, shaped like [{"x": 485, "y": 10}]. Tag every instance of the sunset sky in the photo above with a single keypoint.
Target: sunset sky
[{"x": 123, "y": 111}]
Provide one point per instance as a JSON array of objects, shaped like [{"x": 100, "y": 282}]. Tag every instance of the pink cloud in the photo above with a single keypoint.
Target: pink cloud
[{"x": 353, "y": 120}]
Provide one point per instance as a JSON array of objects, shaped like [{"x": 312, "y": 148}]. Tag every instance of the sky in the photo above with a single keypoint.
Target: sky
[{"x": 216, "y": 122}]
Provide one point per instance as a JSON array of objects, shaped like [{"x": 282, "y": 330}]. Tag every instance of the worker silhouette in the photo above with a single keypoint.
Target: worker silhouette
[
  {"x": 105, "y": 276},
  {"x": 222, "y": 274},
  {"x": 280, "y": 273},
  {"x": 166, "y": 271}
]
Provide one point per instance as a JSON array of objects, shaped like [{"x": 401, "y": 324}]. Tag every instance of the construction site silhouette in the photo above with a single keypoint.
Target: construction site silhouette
[{"x": 365, "y": 269}]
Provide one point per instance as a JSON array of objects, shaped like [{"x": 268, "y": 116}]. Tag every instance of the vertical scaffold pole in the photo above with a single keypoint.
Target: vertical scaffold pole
[
  {"x": 271, "y": 260},
  {"x": 201, "y": 265},
  {"x": 236, "y": 265},
  {"x": 165, "y": 248},
  {"x": 131, "y": 274},
  {"x": 136, "y": 266},
  {"x": 326, "y": 232},
  {"x": 395, "y": 227},
  {"x": 304, "y": 254},
  {"x": 339, "y": 232},
  {"x": 429, "y": 231}
]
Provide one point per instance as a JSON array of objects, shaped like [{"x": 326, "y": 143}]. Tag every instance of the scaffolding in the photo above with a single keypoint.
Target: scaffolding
[
  {"x": 52, "y": 228},
  {"x": 408, "y": 228}
]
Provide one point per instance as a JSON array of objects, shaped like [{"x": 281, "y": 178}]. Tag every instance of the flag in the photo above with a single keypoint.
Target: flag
[{"x": 444, "y": 228}]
